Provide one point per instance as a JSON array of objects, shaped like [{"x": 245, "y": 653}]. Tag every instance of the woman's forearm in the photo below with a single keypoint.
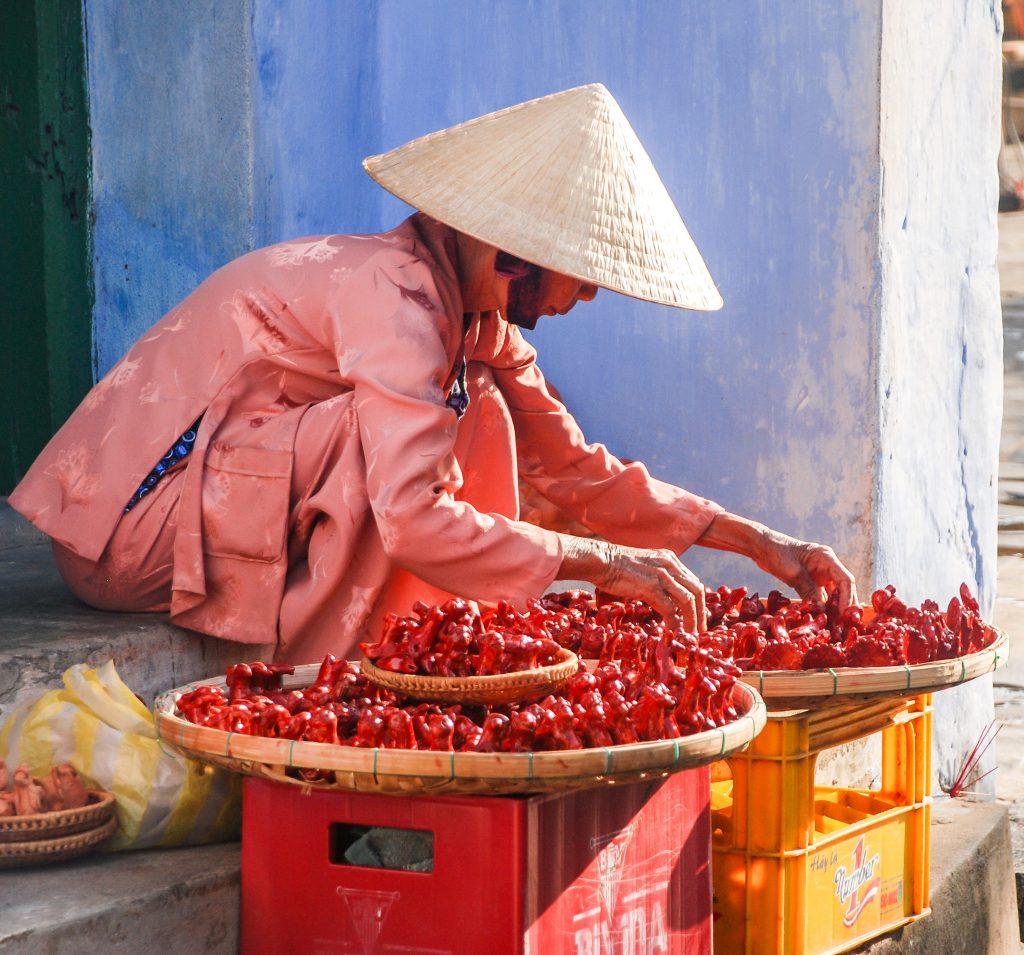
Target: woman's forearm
[
  {"x": 812, "y": 570},
  {"x": 582, "y": 558},
  {"x": 739, "y": 535}
]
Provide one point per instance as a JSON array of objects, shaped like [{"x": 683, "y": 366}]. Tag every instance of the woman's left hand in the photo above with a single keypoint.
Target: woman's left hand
[{"x": 812, "y": 570}]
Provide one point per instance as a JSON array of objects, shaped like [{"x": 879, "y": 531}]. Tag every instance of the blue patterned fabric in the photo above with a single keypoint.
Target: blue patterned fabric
[
  {"x": 458, "y": 399},
  {"x": 177, "y": 453}
]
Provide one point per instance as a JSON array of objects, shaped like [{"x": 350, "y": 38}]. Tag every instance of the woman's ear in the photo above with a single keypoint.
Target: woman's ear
[{"x": 482, "y": 287}]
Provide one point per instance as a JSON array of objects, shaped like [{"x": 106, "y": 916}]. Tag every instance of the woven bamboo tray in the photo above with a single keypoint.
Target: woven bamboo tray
[
  {"x": 62, "y": 822},
  {"x": 807, "y": 689},
  {"x": 416, "y": 772},
  {"x": 60, "y": 849},
  {"x": 522, "y": 686}
]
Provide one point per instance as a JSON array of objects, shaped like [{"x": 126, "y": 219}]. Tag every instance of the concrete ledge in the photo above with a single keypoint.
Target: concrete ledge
[
  {"x": 176, "y": 900},
  {"x": 169, "y": 901},
  {"x": 44, "y": 630},
  {"x": 973, "y": 889}
]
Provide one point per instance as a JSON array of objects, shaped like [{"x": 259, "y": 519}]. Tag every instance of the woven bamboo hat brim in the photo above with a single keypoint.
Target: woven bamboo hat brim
[{"x": 562, "y": 182}]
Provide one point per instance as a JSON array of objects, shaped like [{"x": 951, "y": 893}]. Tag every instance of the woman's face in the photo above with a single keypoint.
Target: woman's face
[
  {"x": 533, "y": 292},
  {"x": 522, "y": 292}
]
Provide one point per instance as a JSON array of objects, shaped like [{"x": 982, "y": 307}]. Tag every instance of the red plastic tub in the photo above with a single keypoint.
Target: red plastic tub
[{"x": 618, "y": 869}]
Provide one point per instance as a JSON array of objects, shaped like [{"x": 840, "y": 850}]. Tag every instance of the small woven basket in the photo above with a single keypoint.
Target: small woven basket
[
  {"x": 39, "y": 850},
  {"x": 62, "y": 822},
  {"x": 519, "y": 687}
]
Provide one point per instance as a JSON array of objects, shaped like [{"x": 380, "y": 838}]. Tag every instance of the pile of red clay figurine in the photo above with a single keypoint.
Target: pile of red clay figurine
[
  {"x": 454, "y": 639},
  {"x": 643, "y": 680},
  {"x": 784, "y": 634},
  {"x": 650, "y": 683},
  {"x": 22, "y": 794}
]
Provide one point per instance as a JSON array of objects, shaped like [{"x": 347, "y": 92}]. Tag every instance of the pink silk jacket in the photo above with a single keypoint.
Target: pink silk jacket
[{"x": 321, "y": 368}]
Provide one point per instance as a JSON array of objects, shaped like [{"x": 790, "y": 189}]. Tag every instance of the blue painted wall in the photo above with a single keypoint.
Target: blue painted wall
[
  {"x": 169, "y": 106},
  {"x": 317, "y": 112},
  {"x": 219, "y": 126}
]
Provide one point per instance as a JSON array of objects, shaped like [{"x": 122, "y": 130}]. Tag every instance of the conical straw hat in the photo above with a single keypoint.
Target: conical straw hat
[{"x": 563, "y": 182}]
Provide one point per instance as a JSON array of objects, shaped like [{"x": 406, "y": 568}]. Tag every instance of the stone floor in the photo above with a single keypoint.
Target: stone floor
[{"x": 1009, "y": 610}]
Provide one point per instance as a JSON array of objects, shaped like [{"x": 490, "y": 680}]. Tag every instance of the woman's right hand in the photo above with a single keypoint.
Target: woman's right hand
[{"x": 655, "y": 576}]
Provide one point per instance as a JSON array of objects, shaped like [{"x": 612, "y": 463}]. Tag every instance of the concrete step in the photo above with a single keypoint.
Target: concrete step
[
  {"x": 171, "y": 901},
  {"x": 182, "y": 900},
  {"x": 187, "y": 900}
]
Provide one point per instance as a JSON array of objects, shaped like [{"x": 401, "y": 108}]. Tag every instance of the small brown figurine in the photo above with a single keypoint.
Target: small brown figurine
[
  {"x": 71, "y": 791},
  {"x": 29, "y": 796}
]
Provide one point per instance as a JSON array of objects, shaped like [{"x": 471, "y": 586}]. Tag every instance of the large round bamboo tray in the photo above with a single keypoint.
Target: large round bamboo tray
[
  {"x": 62, "y": 822},
  {"x": 522, "y": 686},
  {"x": 60, "y": 849},
  {"x": 414, "y": 772},
  {"x": 807, "y": 689}
]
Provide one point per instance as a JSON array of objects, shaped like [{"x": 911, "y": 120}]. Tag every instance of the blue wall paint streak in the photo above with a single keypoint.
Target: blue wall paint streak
[
  {"x": 168, "y": 91},
  {"x": 317, "y": 113}
]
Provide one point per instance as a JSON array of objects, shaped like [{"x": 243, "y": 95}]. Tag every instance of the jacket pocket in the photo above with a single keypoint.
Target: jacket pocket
[{"x": 246, "y": 495}]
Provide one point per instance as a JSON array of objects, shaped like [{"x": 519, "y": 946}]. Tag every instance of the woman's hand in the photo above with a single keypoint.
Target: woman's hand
[
  {"x": 655, "y": 576},
  {"x": 812, "y": 570}
]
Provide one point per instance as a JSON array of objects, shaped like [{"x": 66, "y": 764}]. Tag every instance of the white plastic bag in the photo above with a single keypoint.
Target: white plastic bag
[{"x": 102, "y": 729}]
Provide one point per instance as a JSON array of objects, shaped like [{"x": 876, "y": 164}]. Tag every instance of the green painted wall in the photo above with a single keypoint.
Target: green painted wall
[{"x": 45, "y": 311}]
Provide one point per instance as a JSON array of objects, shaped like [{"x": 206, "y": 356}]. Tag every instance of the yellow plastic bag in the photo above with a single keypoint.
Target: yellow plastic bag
[{"x": 102, "y": 729}]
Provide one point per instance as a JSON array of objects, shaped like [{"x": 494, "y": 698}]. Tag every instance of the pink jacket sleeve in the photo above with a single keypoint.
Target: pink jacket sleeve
[
  {"x": 396, "y": 346},
  {"x": 621, "y": 502}
]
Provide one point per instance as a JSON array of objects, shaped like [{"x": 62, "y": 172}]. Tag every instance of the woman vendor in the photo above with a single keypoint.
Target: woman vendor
[{"x": 328, "y": 429}]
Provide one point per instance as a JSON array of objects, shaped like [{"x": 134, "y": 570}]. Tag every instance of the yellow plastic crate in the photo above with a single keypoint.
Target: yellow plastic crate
[{"x": 801, "y": 869}]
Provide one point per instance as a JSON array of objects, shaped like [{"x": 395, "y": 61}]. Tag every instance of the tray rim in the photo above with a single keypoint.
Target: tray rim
[
  {"x": 40, "y": 851},
  {"x": 495, "y": 771}
]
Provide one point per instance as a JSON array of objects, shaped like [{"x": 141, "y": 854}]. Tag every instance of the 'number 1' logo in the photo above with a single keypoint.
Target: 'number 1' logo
[{"x": 856, "y": 888}]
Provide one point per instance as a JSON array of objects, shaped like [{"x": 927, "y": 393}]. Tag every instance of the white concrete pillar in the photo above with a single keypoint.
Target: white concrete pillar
[{"x": 937, "y": 360}]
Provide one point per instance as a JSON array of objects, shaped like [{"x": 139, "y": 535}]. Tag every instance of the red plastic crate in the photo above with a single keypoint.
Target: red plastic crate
[{"x": 618, "y": 869}]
